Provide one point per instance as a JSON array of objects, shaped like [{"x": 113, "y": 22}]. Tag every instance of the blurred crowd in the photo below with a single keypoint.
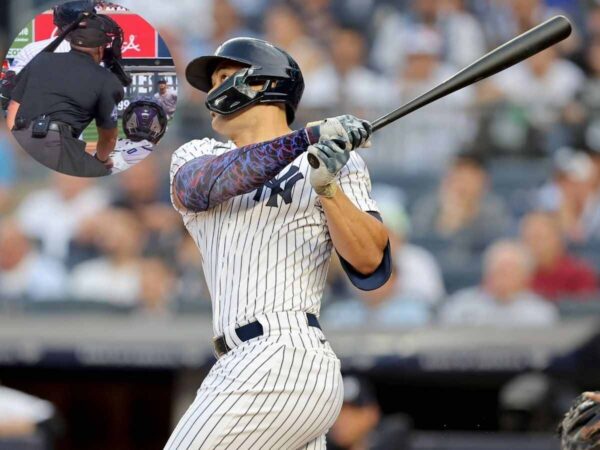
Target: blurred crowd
[{"x": 491, "y": 195}]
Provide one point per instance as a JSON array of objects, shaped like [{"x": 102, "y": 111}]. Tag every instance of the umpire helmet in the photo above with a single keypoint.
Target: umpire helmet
[
  {"x": 264, "y": 64},
  {"x": 69, "y": 12},
  {"x": 144, "y": 119}
]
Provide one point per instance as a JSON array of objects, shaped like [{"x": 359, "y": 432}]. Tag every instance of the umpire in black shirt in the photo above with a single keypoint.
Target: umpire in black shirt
[{"x": 56, "y": 97}]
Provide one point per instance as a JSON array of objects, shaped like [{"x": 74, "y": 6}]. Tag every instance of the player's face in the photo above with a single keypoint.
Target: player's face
[{"x": 228, "y": 125}]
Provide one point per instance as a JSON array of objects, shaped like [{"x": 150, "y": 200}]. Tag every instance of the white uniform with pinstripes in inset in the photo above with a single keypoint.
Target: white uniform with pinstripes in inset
[{"x": 265, "y": 258}]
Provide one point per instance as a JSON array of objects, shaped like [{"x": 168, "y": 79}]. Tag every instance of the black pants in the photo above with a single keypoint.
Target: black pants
[{"x": 61, "y": 152}]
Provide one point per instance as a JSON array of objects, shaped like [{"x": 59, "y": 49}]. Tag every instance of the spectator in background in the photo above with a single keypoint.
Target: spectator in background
[
  {"x": 461, "y": 33},
  {"x": 284, "y": 28},
  {"x": 322, "y": 16},
  {"x": 414, "y": 286},
  {"x": 360, "y": 424},
  {"x": 386, "y": 307},
  {"x": 583, "y": 114},
  {"x": 191, "y": 288},
  {"x": 572, "y": 196},
  {"x": 503, "y": 20},
  {"x": 504, "y": 297},
  {"x": 120, "y": 275},
  {"x": 426, "y": 140},
  {"x": 24, "y": 273},
  {"x": 418, "y": 272},
  {"x": 464, "y": 212},
  {"x": 542, "y": 87},
  {"x": 348, "y": 83},
  {"x": 53, "y": 214},
  {"x": 557, "y": 273},
  {"x": 141, "y": 192},
  {"x": 157, "y": 283},
  {"x": 167, "y": 98},
  {"x": 224, "y": 23}
]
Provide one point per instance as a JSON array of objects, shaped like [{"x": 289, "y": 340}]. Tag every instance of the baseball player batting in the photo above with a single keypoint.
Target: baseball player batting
[{"x": 266, "y": 223}]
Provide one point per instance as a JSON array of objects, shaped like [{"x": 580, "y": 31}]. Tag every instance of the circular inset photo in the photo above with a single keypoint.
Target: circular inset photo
[{"x": 88, "y": 88}]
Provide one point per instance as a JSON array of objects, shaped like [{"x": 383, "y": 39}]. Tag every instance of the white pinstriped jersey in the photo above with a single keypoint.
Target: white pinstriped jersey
[
  {"x": 29, "y": 52},
  {"x": 268, "y": 250}
]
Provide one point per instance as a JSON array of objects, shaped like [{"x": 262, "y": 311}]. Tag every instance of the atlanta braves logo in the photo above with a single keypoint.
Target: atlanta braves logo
[
  {"x": 131, "y": 45},
  {"x": 290, "y": 178}
]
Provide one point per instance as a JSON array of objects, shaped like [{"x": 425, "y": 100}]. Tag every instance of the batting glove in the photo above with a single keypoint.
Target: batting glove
[
  {"x": 332, "y": 157},
  {"x": 349, "y": 130}
]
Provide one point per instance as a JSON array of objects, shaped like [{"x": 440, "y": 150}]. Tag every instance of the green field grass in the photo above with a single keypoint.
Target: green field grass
[{"x": 90, "y": 134}]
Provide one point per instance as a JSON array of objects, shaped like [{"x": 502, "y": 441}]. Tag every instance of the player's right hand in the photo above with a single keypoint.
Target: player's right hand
[
  {"x": 350, "y": 131},
  {"x": 331, "y": 157}
]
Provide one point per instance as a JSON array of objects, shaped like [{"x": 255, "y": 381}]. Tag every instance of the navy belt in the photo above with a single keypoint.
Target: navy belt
[{"x": 251, "y": 331}]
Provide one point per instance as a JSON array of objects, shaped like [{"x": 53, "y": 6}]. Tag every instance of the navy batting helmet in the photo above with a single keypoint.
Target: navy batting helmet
[
  {"x": 67, "y": 13},
  {"x": 264, "y": 63},
  {"x": 145, "y": 119}
]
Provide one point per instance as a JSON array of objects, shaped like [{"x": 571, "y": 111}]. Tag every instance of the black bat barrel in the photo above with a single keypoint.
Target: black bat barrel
[{"x": 514, "y": 51}]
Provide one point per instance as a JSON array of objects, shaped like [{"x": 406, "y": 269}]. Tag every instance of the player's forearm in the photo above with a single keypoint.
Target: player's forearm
[
  {"x": 11, "y": 114},
  {"x": 107, "y": 140},
  {"x": 206, "y": 182},
  {"x": 358, "y": 237}
]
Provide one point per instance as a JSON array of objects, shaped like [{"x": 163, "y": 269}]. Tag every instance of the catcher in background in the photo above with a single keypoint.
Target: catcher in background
[
  {"x": 144, "y": 124},
  {"x": 580, "y": 428}
]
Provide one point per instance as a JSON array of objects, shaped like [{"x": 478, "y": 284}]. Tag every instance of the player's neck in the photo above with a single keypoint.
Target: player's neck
[
  {"x": 252, "y": 136},
  {"x": 267, "y": 125}
]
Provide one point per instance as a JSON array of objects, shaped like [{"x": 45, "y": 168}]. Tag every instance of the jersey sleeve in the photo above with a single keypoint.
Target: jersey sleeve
[
  {"x": 106, "y": 111},
  {"x": 18, "y": 92},
  {"x": 355, "y": 181},
  {"x": 185, "y": 153}
]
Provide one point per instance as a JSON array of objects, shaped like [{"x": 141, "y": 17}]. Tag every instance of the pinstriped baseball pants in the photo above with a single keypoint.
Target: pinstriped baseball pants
[{"x": 281, "y": 391}]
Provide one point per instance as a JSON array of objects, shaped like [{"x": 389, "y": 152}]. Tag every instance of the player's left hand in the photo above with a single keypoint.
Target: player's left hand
[
  {"x": 332, "y": 157},
  {"x": 351, "y": 131}
]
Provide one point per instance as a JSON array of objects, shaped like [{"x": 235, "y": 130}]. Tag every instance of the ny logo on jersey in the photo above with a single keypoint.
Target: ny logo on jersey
[{"x": 290, "y": 178}]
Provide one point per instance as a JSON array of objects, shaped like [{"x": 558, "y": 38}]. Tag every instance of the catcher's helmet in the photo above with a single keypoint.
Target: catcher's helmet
[
  {"x": 145, "y": 119},
  {"x": 580, "y": 428},
  {"x": 265, "y": 63},
  {"x": 69, "y": 12}
]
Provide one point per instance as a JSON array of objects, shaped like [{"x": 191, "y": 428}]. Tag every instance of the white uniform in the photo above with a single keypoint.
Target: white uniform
[
  {"x": 29, "y": 52},
  {"x": 265, "y": 258},
  {"x": 128, "y": 153}
]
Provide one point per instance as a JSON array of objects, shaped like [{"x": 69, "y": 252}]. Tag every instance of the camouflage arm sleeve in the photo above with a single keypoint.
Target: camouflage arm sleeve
[{"x": 208, "y": 181}]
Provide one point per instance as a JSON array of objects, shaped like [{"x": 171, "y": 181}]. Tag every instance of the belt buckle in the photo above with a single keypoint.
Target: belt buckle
[{"x": 220, "y": 347}]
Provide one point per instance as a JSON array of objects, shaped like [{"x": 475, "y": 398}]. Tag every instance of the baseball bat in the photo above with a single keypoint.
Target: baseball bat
[{"x": 514, "y": 51}]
